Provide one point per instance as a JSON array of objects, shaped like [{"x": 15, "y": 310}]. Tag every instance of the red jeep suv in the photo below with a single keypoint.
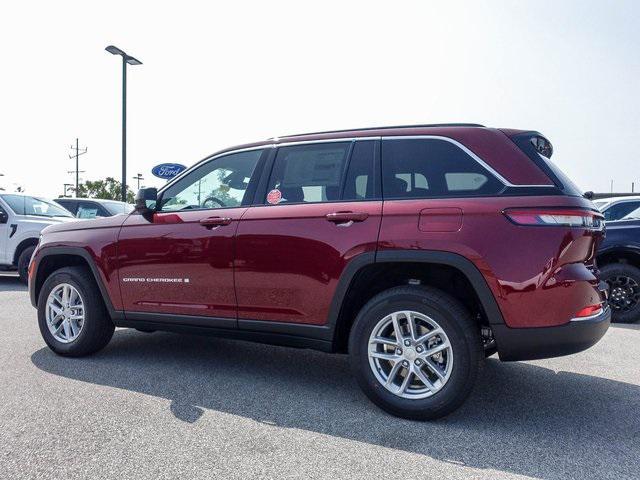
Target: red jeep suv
[{"x": 417, "y": 250}]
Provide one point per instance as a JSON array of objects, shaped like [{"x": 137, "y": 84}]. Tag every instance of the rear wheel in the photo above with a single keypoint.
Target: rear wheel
[
  {"x": 23, "y": 263},
  {"x": 415, "y": 352},
  {"x": 71, "y": 314},
  {"x": 624, "y": 291}
]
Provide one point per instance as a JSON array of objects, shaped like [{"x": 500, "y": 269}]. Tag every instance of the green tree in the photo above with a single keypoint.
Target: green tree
[{"x": 107, "y": 189}]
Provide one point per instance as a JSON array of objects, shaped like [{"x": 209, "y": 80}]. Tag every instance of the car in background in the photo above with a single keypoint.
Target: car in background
[
  {"x": 22, "y": 218},
  {"x": 615, "y": 208},
  {"x": 94, "y": 208},
  {"x": 618, "y": 258}
]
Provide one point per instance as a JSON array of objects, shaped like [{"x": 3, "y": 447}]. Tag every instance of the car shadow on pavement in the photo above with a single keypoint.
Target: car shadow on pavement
[
  {"x": 521, "y": 418},
  {"x": 9, "y": 283}
]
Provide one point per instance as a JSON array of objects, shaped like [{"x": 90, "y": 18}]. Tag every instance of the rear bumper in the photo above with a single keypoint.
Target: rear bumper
[{"x": 546, "y": 342}]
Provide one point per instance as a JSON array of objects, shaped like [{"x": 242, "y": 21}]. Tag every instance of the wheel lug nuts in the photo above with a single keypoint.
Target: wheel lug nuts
[
  {"x": 405, "y": 363},
  {"x": 398, "y": 352},
  {"x": 418, "y": 361},
  {"x": 419, "y": 349},
  {"x": 407, "y": 343}
]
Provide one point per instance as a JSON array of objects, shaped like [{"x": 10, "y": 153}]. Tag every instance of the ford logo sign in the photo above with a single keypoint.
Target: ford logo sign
[{"x": 168, "y": 170}]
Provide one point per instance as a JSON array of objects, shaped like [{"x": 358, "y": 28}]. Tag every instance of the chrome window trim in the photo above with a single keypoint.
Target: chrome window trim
[
  {"x": 277, "y": 144},
  {"x": 324, "y": 140}
]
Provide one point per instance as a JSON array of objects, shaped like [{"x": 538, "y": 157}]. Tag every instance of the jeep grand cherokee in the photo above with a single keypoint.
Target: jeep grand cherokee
[{"x": 416, "y": 250}]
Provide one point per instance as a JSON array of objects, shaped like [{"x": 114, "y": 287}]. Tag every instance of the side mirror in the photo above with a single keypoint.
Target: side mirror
[
  {"x": 4, "y": 217},
  {"x": 146, "y": 200}
]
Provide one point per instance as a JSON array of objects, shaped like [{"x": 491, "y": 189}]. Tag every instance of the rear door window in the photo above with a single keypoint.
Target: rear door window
[
  {"x": 308, "y": 173},
  {"x": 324, "y": 172},
  {"x": 426, "y": 167}
]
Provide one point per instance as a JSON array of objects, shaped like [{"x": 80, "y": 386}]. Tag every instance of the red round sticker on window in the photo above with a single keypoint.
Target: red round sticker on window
[{"x": 274, "y": 196}]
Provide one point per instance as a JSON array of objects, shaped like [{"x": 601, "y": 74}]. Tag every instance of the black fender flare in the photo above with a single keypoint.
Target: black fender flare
[
  {"x": 466, "y": 266},
  {"x": 74, "y": 251}
]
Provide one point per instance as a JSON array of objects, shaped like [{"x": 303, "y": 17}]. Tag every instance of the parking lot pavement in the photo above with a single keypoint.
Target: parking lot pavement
[{"x": 168, "y": 406}]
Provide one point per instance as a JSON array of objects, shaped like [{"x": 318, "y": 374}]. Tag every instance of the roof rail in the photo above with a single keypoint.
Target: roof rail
[{"x": 383, "y": 128}]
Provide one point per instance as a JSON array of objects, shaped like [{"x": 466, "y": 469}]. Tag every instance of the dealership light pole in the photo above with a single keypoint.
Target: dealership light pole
[{"x": 126, "y": 59}]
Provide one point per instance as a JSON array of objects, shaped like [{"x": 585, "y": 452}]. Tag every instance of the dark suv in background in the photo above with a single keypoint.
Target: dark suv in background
[
  {"x": 619, "y": 263},
  {"x": 416, "y": 250}
]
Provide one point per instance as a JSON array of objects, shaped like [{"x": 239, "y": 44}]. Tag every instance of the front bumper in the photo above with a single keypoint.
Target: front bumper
[{"x": 546, "y": 342}]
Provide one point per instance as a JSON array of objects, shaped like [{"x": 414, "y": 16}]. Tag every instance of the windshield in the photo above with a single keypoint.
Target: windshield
[
  {"x": 600, "y": 204},
  {"x": 634, "y": 215},
  {"x": 23, "y": 205}
]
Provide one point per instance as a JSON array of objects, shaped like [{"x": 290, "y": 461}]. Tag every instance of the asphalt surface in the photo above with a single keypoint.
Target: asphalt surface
[{"x": 169, "y": 406}]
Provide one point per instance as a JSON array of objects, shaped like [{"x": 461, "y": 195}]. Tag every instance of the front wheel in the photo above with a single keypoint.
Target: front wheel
[
  {"x": 72, "y": 316},
  {"x": 415, "y": 352}
]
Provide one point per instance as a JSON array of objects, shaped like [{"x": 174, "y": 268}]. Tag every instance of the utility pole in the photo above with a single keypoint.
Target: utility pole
[
  {"x": 138, "y": 178},
  {"x": 77, "y": 171}
]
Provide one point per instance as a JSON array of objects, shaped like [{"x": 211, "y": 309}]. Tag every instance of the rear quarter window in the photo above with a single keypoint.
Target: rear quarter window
[{"x": 425, "y": 167}]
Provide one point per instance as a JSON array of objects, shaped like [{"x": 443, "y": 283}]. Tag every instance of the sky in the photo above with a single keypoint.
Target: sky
[{"x": 217, "y": 74}]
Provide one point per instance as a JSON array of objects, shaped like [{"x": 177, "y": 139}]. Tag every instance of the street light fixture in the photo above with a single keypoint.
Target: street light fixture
[{"x": 126, "y": 59}]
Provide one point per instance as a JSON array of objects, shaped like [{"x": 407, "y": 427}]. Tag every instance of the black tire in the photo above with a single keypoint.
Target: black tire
[
  {"x": 98, "y": 327},
  {"x": 458, "y": 325},
  {"x": 613, "y": 273},
  {"x": 23, "y": 263}
]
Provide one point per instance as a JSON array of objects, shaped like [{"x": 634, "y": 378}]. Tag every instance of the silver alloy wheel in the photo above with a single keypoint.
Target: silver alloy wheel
[
  {"x": 410, "y": 354},
  {"x": 65, "y": 313}
]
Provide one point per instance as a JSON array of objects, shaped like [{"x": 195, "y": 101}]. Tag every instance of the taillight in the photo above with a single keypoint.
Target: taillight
[
  {"x": 555, "y": 217},
  {"x": 589, "y": 311}
]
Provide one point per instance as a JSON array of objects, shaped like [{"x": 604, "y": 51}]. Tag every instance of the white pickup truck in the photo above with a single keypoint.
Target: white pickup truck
[{"x": 22, "y": 218}]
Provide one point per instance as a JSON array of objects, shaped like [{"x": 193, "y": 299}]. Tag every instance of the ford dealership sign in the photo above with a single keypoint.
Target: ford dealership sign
[{"x": 168, "y": 170}]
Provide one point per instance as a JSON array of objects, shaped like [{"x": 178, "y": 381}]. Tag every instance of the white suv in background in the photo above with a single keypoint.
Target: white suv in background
[{"x": 22, "y": 218}]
